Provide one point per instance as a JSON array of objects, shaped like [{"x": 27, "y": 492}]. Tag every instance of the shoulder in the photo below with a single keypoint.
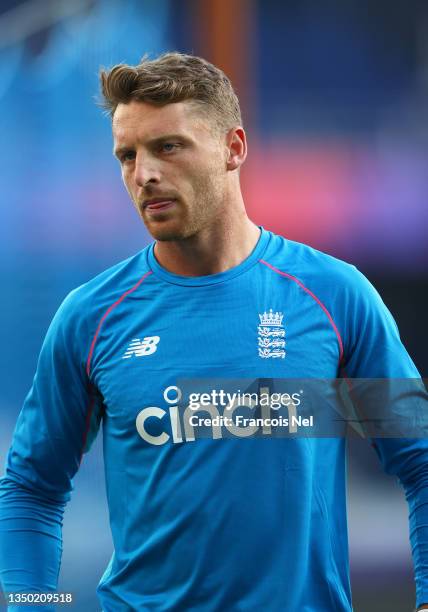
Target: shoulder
[
  {"x": 316, "y": 270},
  {"x": 340, "y": 289},
  {"x": 85, "y": 304},
  {"x": 337, "y": 286}
]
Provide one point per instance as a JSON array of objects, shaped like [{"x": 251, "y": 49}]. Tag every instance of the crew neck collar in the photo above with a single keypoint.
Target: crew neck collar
[{"x": 210, "y": 279}]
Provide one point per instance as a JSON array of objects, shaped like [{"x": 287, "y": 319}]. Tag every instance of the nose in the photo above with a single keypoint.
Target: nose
[{"x": 146, "y": 171}]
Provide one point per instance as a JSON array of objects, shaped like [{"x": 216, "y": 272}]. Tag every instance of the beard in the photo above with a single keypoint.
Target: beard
[{"x": 189, "y": 217}]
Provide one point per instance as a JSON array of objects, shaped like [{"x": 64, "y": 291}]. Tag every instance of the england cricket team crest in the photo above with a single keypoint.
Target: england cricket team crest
[{"x": 271, "y": 335}]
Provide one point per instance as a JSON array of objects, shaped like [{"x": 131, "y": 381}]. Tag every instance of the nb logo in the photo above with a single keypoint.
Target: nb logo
[{"x": 141, "y": 348}]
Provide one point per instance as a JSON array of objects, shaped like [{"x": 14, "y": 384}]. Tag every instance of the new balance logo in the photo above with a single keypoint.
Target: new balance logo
[{"x": 141, "y": 348}]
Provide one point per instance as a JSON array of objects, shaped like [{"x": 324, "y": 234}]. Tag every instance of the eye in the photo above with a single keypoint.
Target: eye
[
  {"x": 127, "y": 156},
  {"x": 169, "y": 147}
]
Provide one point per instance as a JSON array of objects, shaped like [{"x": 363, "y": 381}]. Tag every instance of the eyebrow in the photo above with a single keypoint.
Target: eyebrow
[{"x": 152, "y": 142}]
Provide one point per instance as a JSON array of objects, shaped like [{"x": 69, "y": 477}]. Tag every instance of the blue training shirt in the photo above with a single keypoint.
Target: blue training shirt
[{"x": 207, "y": 524}]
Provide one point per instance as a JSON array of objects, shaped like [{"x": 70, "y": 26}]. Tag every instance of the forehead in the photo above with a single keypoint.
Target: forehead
[{"x": 143, "y": 121}]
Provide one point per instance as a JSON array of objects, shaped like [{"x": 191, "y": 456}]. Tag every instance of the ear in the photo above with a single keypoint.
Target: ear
[{"x": 236, "y": 143}]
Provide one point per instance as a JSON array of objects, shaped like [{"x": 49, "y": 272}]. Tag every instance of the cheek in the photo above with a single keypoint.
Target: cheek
[
  {"x": 127, "y": 181},
  {"x": 200, "y": 173}
]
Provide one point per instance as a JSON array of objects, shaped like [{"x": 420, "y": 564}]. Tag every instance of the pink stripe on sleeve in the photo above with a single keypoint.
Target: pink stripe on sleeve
[
  {"x": 106, "y": 314},
  {"x": 314, "y": 297}
]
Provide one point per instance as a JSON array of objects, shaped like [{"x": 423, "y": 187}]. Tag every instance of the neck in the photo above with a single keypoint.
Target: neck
[{"x": 212, "y": 250}]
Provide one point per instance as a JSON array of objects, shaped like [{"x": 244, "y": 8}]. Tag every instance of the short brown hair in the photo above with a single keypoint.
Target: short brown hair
[{"x": 173, "y": 77}]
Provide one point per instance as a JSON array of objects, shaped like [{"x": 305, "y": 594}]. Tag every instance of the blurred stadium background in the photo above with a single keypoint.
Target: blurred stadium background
[{"x": 334, "y": 96}]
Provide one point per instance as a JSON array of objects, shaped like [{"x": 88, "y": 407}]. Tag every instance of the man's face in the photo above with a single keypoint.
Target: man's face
[{"x": 173, "y": 165}]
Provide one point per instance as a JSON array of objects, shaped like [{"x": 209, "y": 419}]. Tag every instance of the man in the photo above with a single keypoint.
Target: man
[{"x": 200, "y": 524}]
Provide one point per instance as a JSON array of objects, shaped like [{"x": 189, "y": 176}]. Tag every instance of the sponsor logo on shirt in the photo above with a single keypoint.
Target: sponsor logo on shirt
[
  {"x": 217, "y": 415},
  {"x": 142, "y": 348},
  {"x": 271, "y": 335}
]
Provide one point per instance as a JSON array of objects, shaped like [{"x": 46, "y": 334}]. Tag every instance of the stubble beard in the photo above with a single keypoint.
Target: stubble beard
[{"x": 193, "y": 217}]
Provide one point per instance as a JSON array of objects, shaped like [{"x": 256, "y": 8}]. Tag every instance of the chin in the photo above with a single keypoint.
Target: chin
[{"x": 168, "y": 234}]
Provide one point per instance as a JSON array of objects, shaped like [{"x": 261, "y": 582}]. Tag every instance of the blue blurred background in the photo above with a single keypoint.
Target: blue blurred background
[{"x": 334, "y": 97}]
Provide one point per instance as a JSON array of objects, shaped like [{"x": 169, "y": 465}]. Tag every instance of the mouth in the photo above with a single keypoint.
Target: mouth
[{"x": 158, "y": 204}]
